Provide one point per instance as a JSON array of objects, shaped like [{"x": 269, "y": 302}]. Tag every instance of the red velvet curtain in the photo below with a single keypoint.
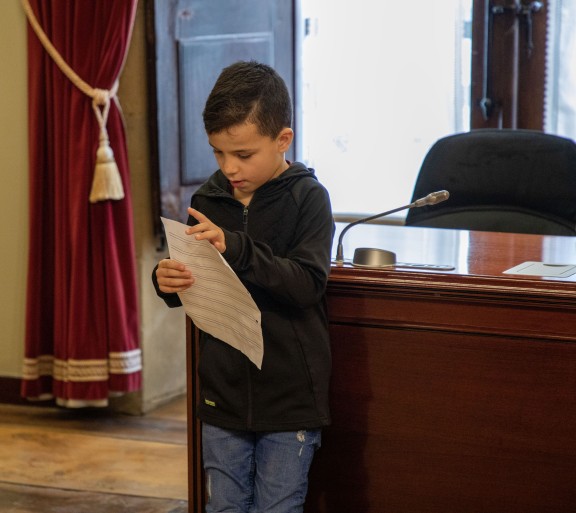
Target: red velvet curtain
[{"x": 82, "y": 324}]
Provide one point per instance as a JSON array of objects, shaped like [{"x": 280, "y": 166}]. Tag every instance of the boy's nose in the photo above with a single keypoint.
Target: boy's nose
[{"x": 229, "y": 167}]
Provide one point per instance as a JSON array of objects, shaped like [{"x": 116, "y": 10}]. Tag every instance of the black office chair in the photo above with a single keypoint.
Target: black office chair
[{"x": 503, "y": 180}]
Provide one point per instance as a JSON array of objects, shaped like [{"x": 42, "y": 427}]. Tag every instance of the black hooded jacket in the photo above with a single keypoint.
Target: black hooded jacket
[{"x": 280, "y": 247}]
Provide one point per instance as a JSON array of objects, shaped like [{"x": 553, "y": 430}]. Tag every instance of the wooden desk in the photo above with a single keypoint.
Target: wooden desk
[{"x": 452, "y": 392}]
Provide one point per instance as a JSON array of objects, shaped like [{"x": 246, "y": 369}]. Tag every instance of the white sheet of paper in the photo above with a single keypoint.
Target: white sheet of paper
[{"x": 217, "y": 302}]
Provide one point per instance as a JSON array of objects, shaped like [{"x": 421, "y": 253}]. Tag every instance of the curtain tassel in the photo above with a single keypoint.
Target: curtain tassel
[{"x": 106, "y": 183}]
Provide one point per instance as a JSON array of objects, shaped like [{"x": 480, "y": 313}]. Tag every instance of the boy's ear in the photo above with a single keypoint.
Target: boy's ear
[{"x": 285, "y": 139}]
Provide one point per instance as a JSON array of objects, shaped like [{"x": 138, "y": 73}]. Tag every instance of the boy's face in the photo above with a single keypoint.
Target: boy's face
[{"x": 249, "y": 159}]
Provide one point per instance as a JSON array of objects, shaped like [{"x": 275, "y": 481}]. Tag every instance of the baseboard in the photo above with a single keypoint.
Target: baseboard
[
  {"x": 129, "y": 404},
  {"x": 10, "y": 391}
]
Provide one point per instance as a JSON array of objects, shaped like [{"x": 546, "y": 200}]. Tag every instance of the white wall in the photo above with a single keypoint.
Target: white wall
[{"x": 13, "y": 187}]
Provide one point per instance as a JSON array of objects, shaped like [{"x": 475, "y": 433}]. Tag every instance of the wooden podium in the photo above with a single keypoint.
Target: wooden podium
[{"x": 452, "y": 391}]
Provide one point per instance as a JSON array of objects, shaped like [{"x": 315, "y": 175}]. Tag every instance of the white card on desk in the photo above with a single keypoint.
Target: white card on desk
[{"x": 543, "y": 269}]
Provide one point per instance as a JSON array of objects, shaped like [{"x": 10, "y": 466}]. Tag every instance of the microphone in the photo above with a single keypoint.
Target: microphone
[{"x": 431, "y": 199}]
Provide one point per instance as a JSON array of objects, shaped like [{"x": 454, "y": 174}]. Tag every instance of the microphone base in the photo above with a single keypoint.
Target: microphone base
[{"x": 373, "y": 257}]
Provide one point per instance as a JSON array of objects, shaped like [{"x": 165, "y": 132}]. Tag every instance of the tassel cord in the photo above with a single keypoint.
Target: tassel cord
[{"x": 100, "y": 97}]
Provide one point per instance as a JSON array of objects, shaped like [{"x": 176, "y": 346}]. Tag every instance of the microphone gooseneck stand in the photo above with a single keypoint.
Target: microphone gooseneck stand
[{"x": 372, "y": 257}]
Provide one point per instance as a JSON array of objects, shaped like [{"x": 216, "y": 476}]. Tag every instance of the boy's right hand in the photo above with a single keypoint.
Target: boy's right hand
[{"x": 173, "y": 276}]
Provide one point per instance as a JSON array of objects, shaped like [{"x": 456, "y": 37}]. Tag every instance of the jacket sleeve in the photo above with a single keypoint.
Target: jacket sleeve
[{"x": 299, "y": 278}]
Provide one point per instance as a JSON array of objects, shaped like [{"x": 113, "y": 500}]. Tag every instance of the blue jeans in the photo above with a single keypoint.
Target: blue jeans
[{"x": 257, "y": 472}]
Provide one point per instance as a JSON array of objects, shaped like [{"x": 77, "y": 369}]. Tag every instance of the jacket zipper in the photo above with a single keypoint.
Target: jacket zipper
[
  {"x": 249, "y": 416},
  {"x": 245, "y": 218}
]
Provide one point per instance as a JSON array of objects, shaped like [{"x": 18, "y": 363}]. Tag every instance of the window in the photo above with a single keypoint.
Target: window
[
  {"x": 560, "y": 100},
  {"x": 381, "y": 83}
]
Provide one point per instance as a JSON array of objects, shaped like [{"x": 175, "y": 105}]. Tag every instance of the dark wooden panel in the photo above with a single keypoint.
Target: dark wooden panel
[
  {"x": 196, "y": 495},
  {"x": 436, "y": 422},
  {"x": 200, "y": 62}
]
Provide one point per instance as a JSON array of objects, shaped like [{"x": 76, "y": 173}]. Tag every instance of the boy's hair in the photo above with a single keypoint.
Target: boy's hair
[{"x": 248, "y": 92}]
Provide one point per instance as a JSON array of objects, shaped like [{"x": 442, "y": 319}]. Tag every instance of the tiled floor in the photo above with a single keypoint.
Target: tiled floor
[{"x": 92, "y": 461}]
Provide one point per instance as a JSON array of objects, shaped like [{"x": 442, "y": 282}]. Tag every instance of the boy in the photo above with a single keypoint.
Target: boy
[{"x": 272, "y": 222}]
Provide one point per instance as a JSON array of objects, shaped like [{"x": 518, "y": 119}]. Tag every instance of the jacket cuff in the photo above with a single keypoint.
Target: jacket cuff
[
  {"x": 171, "y": 299},
  {"x": 233, "y": 247}
]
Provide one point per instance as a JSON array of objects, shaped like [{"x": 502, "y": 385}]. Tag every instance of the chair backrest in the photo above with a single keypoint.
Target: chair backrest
[{"x": 505, "y": 180}]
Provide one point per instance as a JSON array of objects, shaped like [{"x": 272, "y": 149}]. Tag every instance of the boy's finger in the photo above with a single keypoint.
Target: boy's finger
[
  {"x": 199, "y": 216},
  {"x": 171, "y": 264}
]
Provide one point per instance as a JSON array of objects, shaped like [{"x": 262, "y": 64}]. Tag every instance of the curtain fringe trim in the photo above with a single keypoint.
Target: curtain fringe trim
[
  {"x": 81, "y": 403},
  {"x": 82, "y": 370},
  {"x": 72, "y": 403}
]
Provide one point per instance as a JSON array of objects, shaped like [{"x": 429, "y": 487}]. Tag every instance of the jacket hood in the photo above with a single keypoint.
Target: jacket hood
[{"x": 218, "y": 185}]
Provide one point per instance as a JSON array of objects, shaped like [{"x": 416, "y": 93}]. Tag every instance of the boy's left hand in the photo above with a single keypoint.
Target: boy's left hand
[{"x": 206, "y": 230}]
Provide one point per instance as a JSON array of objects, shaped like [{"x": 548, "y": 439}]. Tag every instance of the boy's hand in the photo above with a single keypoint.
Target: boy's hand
[
  {"x": 206, "y": 230},
  {"x": 173, "y": 276}
]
